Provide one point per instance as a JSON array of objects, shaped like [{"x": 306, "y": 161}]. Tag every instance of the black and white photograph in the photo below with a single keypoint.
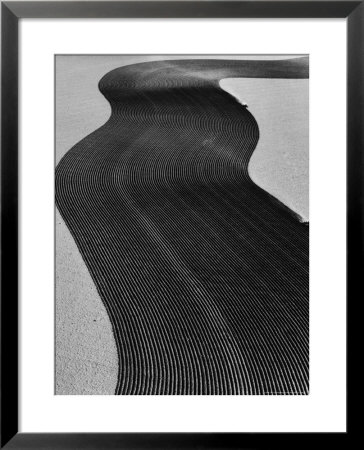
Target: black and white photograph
[{"x": 181, "y": 224}]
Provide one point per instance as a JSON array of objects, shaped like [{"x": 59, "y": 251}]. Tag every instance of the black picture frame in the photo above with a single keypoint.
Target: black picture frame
[{"x": 12, "y": 11}]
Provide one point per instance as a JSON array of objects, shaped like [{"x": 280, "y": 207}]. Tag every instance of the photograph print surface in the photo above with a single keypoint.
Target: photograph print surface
[{"x": 182, "y": 225}]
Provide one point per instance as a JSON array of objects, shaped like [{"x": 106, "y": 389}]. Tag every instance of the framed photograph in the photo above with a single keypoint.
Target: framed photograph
[{"x": 180, "y": 215}]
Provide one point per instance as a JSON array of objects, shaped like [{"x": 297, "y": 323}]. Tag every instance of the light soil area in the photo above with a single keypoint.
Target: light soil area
[
  {"x": 280, "y": 163},
  {"x": 86, "y": 356}
]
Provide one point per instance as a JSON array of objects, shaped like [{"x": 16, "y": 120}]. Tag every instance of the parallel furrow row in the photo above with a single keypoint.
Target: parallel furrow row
[{"x": 203, "y": 274}]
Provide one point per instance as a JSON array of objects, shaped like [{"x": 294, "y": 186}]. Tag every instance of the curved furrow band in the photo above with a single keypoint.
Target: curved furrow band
[{"x": 204, "y": 275}]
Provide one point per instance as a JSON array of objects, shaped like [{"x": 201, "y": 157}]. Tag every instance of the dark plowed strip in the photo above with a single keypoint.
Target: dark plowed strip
[{"x": 203, "y": 274}]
